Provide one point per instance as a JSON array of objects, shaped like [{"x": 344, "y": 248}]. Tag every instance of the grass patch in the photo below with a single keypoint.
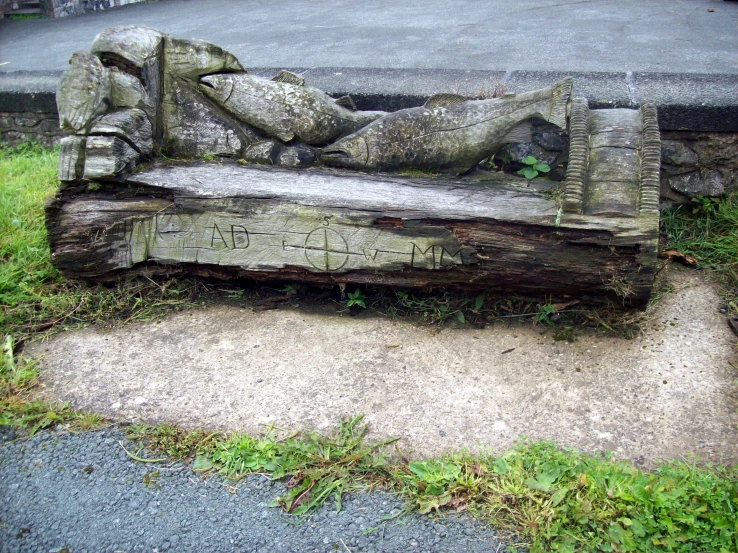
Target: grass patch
[
  {"x": 24, "y": 16},
  {"x": 33, "y": 295},
  {"x": 708, "y": 230},
  {"x": 545, "y": 497},
  {"x": 318, "y": 468}
]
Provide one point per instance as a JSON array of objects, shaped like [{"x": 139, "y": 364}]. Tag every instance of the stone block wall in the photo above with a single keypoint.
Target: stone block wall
[
  {"x": 18, "y": 127},
  {"x": 64, "y": 8},
  {"x": 6, "y": 5},
  {"x": 692, "y": 163},
  {"x": 698, "y": 164}
]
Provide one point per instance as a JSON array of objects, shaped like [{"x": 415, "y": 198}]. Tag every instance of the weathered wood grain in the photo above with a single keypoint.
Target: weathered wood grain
[
  {"x": 194, "y": 126},
  {"x": 131, "y": 125},
  {"x": 108, "y": 157},
  {"x": 284, "y": 109},
  {"x": 138, "y": 51},
  {"x": 611, "y": 170},
  {"x": 129, "y": 92},
  {"x": 193, "y": 58},
  {"x": 449, "y": 134},
  {"x": 137, "y": 45},
  {"x": 71, "y": 158},
  {"x": 576, "y": 170},
  {"x": 328, "y": 227},
  {"x": 650, "y": 151},
  {"x": 83, "y": 92}
]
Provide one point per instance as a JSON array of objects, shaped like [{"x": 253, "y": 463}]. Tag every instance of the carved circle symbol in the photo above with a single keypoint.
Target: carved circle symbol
[{"x": 326, "y": 249}]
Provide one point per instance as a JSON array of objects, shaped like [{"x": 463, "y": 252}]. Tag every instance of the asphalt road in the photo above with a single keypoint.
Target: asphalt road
[
  {"x": 673, "y": 36},
  {"x": 80, "y": 493}
]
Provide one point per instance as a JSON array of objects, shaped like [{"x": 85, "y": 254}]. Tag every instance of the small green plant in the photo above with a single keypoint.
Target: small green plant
[
  {"x": 17, "y": 406},
  {"x": 705, "y": 205},
  {"x": 174, "y": 442},
  {"x": 318, "y": 467},
  {"x": 24, "y": 16},
  {"x": 356, "y": 298},
  {"x": 545, "y": 311},
  {"x": 431, "y": 483},
  {"x": 533, "y": 167},
  {"x": 151, "y": 479}
]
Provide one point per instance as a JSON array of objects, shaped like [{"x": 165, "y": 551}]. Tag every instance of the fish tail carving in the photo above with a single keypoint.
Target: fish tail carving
[{"x": 560, "y": 95}]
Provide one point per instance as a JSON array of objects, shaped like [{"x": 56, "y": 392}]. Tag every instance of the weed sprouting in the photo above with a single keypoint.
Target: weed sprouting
[
  {"x": 17, "y": 406},
  {"x": 532, "y": 167},
  {"x": 549, "y": 498},
  {"x": 708, "y": 231},
  {"x": 545, "y": 311},
  {"x": 318, "y": 467},
  {"x": 174, "y": 442},
  {"x": 355, "y": 299}
]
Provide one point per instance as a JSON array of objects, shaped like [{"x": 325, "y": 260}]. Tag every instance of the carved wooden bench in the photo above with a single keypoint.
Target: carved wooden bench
[{"x": 117, "y": 210}]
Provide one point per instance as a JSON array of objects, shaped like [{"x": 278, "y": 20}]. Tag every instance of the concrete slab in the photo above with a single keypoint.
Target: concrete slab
[
  {"x": 29, "y": 91},
  {"x": 668, "y": 393},
  {"x": 673, "y": 36}
]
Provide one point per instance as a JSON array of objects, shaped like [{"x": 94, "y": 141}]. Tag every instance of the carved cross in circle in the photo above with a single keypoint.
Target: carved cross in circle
[{"x": 326, "y": 249}]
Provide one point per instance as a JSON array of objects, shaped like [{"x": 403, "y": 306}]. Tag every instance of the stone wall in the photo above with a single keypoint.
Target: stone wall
[
  {"x": 19, "y": 127},
  {"x": 64, "y": 8},
  {"x": 6, "y": 5},
  {"x": 692, "y": 163},
  {"x": 698, "y": 164}
]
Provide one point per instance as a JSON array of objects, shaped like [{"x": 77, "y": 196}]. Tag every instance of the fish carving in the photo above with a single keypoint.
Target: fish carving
[
  {"x": 83, "y": 92},
  {"x": 285, "y": 108},
  {"x": 194, "y": 58},
  {"x": 449, "y": 133}
]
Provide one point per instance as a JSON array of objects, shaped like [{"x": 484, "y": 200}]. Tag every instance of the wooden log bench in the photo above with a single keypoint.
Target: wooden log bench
[
  {"x": 120, "y": 207},
  {"x": 323, "y": 226}
]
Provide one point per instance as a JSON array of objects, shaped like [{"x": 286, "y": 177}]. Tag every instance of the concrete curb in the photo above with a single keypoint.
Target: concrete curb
[{"x": 686, "y": 101}]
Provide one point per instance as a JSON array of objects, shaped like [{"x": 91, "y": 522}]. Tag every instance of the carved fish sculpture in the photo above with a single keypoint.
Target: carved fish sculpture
[
  {"x": 83, "y": 92},
  {"x": 285, "y": 108},
  {"x": 194, "y": 58},
  {"x": 449, "y": 133}
]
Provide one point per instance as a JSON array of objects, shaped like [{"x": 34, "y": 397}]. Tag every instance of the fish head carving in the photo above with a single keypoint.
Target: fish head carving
[
  {"x": 351, "y": 152},
  {"x": 218, "y": 87},
  {"x": 231, "y": 63}
]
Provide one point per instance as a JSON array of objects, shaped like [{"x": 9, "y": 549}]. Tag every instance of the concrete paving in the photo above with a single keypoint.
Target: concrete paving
[
  {"x": 669, "y": 393},
  {"x": 670, "y": 36}
]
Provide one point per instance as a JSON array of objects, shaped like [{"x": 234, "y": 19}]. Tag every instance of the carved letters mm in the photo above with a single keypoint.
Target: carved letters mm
[{"x": 438, "y": 254}]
